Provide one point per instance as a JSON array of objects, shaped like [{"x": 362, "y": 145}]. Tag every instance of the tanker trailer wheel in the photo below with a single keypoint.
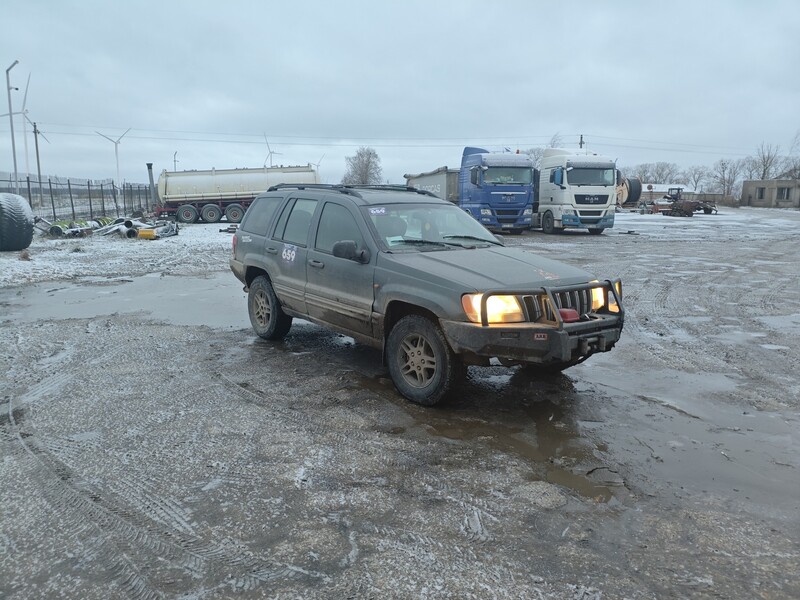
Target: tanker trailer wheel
[
  {"x": 186, "y": 214},
  {"x": 234, "y": 213},
  {"x": 16, "y": 223},
  {"x": 423, "y": 367},
  {"x": 548, "y": 223},
  {"x": 266, "y": 315},
  {"x": 211, "y": 213}
]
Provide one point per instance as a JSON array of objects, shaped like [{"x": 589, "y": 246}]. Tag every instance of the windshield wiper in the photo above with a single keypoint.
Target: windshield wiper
[{"x": 472, "y": 237}]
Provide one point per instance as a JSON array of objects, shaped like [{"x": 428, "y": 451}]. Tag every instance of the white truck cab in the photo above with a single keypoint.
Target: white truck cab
[{"x": 577, "y": 189}]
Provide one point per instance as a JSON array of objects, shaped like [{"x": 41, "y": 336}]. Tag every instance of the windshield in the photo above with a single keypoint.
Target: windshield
[
  {"x": 576, "y": 176},
  {"x": 506, "y": 175},
  {"x": 424, "y": 227}
]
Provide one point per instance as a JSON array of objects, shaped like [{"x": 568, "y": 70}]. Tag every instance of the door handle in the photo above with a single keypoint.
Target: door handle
[
  {"x": 317, "y": 264},
  {"x": 271, "y": 250}
]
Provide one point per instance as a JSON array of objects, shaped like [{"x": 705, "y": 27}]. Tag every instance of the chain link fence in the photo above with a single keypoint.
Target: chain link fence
[{"x": 69, "y": 199}]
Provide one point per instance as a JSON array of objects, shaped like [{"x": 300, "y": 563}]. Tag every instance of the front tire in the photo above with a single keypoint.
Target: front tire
[
  {"x": 266, "y": 315},
  {"x": 548, "y": 223},
  {"x": 422, "y": 365}
]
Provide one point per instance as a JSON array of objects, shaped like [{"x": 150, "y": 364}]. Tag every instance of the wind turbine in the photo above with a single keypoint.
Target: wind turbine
[
  {"x": 116, "y": 148},
  {"x": 269, "y": 153}
]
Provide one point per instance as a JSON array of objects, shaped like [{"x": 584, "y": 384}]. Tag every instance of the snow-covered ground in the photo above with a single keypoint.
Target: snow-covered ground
[{"x": 202, "y": 248}]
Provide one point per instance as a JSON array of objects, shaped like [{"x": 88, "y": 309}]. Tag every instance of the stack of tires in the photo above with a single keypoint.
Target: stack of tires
[{"x": 16, "y": 222}]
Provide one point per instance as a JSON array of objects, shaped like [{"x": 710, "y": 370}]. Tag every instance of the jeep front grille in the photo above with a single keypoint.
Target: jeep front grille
[{"x": 537, "y": 305}]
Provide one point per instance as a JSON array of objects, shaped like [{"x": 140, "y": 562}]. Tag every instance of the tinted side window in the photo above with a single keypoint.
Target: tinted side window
[
  {"x": 336, "y": 224},
  {"x": 295, "y": 230},
  {"x": 259, "y": 215}
]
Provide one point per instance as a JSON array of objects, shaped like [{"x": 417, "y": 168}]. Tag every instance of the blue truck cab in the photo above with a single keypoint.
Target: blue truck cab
[{"x": 497, "y": 189}]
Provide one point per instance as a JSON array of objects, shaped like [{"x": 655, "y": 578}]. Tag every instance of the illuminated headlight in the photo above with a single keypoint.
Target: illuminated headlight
[
  {"x": 599, "y": 297},
  {"x": 499, "y": 309},
  {"x": 527, "y": 212},
  {"x": 486, "y": 212}
]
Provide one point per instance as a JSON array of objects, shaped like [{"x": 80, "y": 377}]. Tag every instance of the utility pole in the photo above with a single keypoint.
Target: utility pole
[
  {"x": 11, "y": 122},
  {"x": 175, "y": 161},
  {"x": 36, "y": 133},
  {"x": 580, "y": 144}
]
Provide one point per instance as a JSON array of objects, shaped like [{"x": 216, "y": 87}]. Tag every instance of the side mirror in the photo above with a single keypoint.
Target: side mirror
[
  {"x": 558, "y": 176},
  {"x": 348, "y": 250},
  {"x": 500, "y": 238}
]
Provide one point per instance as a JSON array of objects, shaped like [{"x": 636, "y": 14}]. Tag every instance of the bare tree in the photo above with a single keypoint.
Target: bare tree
[
  {"x": 665, "y": 172},
  {"x": 725, "y": 176},
  {"x": 768, "y": 159},
  {"x": 535, "y": 155},
  {"x": 791, "y": 164},
  {"x": 364, "y": 168},
  {"x": 643, "y": 172},
  {"x": 695, "y": 176},
  {"x": 555, "y": 141}
]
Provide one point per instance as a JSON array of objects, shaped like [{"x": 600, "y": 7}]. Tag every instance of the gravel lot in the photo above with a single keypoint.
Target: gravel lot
[{"x": 154, "y": 447}]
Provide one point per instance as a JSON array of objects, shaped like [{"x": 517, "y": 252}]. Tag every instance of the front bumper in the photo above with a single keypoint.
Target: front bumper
[
  {"x": 605, "y": 222},
  {"x": 531, "y": 342}
]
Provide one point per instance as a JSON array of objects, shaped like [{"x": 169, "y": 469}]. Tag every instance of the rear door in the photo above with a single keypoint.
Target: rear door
[
  {"x": 289, "y": 247},
  {"x": 339, "y": 291}
]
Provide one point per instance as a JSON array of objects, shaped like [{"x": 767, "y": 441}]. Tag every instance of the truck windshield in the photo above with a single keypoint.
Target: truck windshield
[
  {"x": 576, "y": 176},
  {"x": 505, "y": 175}
]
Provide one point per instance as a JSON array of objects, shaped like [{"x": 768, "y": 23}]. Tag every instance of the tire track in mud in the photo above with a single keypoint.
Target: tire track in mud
[{"x": 128, "y": 527}]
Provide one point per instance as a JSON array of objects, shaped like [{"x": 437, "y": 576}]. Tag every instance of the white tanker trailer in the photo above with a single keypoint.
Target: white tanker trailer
[{"x": 189, "y": 195}]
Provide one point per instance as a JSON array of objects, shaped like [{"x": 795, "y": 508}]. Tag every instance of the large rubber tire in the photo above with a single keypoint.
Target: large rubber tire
[
  {"x": 708, "y": 211},
  {"x": 186, "y": 214},
  {"x": 16, "y": 223},
  {"x": 211, "y": 213},
  {"x": 266, "y": 315},
  {"x": 634, "y": 190},
  {"x": 422, "y": 365},
  {"x": 234, "y": 213},
  {"x": 548, "y": 223}
]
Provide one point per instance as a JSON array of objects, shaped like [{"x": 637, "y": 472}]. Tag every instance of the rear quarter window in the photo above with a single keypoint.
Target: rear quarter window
[{"x": 259, "y": 215}]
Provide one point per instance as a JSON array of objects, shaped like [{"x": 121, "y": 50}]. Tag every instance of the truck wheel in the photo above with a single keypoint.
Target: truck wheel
[
  {"x": 707, "y": 211},
  {"x": 16, "y": 223},
  {"x": 211, "y": 213},
  {"x": 186, "y": 214},
  {"x": 423, "y": 367},
  {"x": 596, "y": 231},
  {"x": 234, "y": 213},
  {"x": 548, "y": 223},
  {"x": 266, "y": 315}
]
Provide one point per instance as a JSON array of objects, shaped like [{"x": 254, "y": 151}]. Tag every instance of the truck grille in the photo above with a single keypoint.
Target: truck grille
[
  {"x": 502, "y": 212},
  {"x": 591, "y": 198}
]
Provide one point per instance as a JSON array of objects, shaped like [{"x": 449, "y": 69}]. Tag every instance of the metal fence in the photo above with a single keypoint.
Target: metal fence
[{"x": 63, "y": 199}]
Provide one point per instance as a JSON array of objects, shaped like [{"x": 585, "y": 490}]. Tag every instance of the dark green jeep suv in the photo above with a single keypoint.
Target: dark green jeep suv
[{"x": 419, "y": 278}]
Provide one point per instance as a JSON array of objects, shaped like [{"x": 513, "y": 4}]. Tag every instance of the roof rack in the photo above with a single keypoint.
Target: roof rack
[
  {"x": 391, "y": 187},
  {"x": 351, "y": 189},
  {"x": 313, "y": 186}
]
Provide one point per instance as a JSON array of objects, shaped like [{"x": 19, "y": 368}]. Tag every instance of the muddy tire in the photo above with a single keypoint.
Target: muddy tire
[
  {"x": 16, "y": 223},
  {"x": 186, "y": 214},
  {"x": 266, "y": 315},
  {"x": 234, "y": 213},
  {"x": 548, "y": 223},
  {"x": 422, "y": 365},
  {"x": 211, "y": 213}
]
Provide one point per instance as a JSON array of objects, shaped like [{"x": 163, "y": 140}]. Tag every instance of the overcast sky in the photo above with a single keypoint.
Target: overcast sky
[{"x": 687, "y": 82}]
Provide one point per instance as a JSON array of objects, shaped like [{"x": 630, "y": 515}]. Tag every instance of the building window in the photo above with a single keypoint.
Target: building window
[
  {"x": 783, "y": 193},
  {"x": 760, "y": 193}
]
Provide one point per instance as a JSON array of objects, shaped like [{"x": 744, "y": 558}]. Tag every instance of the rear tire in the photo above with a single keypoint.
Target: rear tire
[
  {"x": 234, "y": 213},
  {"x": 211, "y": 213},
  {"x": 422, "y": 365},
  {"x": 16, "y": 223},
  {"x": 266, "y": 315},
  {"x": 186, "y": 214}
]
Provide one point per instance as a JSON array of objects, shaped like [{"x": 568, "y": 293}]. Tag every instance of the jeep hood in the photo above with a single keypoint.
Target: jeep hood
[{"x": 484, "y": 268}]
